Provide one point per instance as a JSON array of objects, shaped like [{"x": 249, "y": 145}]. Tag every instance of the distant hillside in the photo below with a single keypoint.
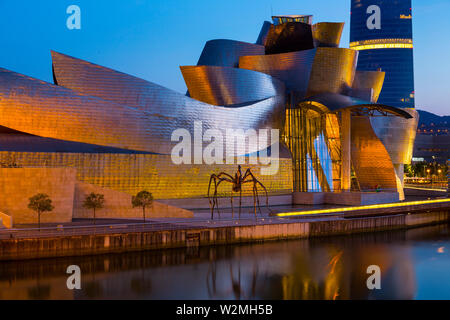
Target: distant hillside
[{"x": 427, "y": 118}]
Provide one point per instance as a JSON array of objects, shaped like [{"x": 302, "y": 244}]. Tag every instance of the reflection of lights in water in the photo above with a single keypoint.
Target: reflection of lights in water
[
  {"x": 334, "y": 260},
  {"x": 333, "y": 278},
  {"x": 240, "y": 282},
  {"x": 314, "y": 276},
  {"x": 325, "y": 268}
]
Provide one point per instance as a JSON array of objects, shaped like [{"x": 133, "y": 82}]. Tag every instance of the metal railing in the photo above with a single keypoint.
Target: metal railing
[
  {"x": 426, "y": 183},
  {"x": 62, "y": 231}
]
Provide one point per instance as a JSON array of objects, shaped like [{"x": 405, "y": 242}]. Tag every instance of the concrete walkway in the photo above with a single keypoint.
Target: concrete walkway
[{"x": 202, "y": 218}]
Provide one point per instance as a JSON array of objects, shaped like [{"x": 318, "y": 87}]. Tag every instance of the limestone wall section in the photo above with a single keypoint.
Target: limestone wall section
[{"x": 17, "y": 185}]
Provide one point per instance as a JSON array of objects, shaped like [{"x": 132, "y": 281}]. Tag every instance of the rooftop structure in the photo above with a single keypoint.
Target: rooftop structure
[{"x": 292, "y": 18}]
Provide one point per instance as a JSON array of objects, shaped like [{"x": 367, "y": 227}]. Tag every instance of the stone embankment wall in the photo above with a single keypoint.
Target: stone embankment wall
[{"x": 11, "y": 249}]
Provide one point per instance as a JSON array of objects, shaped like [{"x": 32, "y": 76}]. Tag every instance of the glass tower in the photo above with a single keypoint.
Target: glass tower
[{"x": 381, "y": 30}]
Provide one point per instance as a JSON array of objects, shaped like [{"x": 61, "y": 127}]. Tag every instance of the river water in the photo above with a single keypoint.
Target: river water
[{"x": 414, "y": 264}]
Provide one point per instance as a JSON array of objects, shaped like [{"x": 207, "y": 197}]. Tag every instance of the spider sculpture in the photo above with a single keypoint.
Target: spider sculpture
[{"x": 237, "y": 181}]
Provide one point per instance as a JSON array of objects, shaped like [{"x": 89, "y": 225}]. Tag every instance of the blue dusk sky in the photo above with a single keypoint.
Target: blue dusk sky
[{"x": 152, "y": 38}]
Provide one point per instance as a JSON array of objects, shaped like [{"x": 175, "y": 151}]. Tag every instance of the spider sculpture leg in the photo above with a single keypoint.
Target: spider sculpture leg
[
  {"x": 227, "y": 178},
  {"x": 247, "y": 178},
  {"x": 217, "y": 180},
  {"x": 267, "y": 195},
  {"x": 254, "y": 200},
  {"x": 255, "y": 186},
  {"x": 212, "y": 203},
  {"x": 240, "y": 203},
  {"x": 215, "y": 196},
  {"x": 232, "y": 208},
  {"x": 256, "y": 203},
  {"x": 256, "y": 182}
]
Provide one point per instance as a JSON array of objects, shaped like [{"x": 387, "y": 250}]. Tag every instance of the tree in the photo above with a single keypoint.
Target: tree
[
  {"x": 142, "y": 199},
  {"x": 40, "y": 203},
  {"x": 409, "y": 170},
  {"x": 94, "y": 201}
]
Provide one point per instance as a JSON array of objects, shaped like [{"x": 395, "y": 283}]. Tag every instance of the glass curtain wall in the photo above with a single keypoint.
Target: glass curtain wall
[{"x": 313, "y": 138}]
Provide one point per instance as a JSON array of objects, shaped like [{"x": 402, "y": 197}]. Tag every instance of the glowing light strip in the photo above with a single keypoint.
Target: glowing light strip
[
  {"x": 384, "y": 46},
  {"x": 427, "y": 189},
  {"x": 349, "y": 209},
  {"x": 380, "y": 41}
]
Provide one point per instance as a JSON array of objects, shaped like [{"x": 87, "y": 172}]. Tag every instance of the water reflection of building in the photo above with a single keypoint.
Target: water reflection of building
[
  {"x": 305, "y": 269},
  {"x": 331, "y": 272}
]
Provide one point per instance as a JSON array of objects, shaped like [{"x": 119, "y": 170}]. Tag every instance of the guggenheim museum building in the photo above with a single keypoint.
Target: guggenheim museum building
[{"x": 116, "y": 131}]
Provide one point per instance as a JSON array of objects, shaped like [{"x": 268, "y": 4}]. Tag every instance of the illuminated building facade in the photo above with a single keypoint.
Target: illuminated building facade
[
  {"x": 432, "y": 148},
  {"x": 117, "y": 130},
  {"x": 433, "y": 139},
  {"x": 381, "y": 30},
  {"x": 292, "y": 18}
]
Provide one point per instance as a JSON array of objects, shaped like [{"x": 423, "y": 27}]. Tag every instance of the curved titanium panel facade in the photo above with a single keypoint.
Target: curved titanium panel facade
[
  {"x": 333, "y": 71},
  {"x": 98, "y": 81},
  {"x": 398, "y": 135},
  {"x": 370, "y": 160},
  {"x": 42, "y": 109},
  {"x": 229, "y": 86},
  {"x": 293, "y": 68},
  {"x": 90, "y": 79},
  {"x": 226, "y": 53},
  {"x": 370, "y": 80},
  {"x": 335, "y": 101},
  {"x": 338, "y": 102},
  {"x": 289, "y": 37},
  {"x": 46, "y": 110},
  {"x": 327, "y": 34},
  {"x": 22, "y": 142},
  {"x": 263, "y": 33}
]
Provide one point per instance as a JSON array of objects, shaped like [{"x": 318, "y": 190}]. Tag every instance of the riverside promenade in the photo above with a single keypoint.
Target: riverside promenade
[{"x": 81, "y": 237}]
